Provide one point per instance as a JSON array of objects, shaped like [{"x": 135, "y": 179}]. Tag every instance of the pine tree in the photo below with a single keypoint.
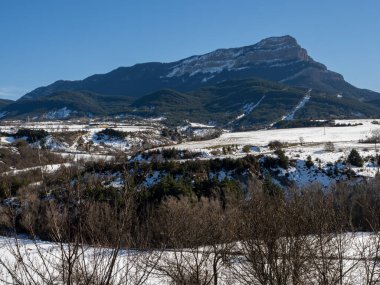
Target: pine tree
[
  {"x": 355, "y": 159},
  {"x": 309, "y": 162}
]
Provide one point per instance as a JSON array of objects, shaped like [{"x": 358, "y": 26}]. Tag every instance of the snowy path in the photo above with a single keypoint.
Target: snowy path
[
  {"x": 248, "y": 108},
  {"x": 300, "y": 105}
]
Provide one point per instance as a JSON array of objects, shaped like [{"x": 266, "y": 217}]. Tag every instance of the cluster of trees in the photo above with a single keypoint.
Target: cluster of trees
[
  {"x": 168, "y": 153},
  {"x": 303, "y": 237},
  {"x": 299, "y": 123},
  {"x": 20, "y": 155},
  {"x": 190, "y": 178},
  {"x": 307, "y": 123},
  {"x": 280, "y": 161},
  {"x": 275, "y": 145},
  {"x": 111, "y": 134},
  {"x": 171, "y": 133},
  {"x": 31, "y": 135}
]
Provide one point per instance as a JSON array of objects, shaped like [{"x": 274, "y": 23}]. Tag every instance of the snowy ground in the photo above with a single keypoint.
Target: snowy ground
[
  {"x": 64, "y": 126},
  {"x": 86, "y": 139},
  {"x": 341, "y": 135},
  {"x": 50, "y": 168},
  {"x": 42, "y": 261},
  {"x": 313, "y": 145},
  {"x": 89, "y": 146}
]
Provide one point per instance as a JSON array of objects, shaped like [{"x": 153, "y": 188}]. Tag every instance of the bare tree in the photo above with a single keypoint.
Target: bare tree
[
  {"x": 195, "y": 235},
  {"x": 368, "y": 244},
  {"x": 329, "y": 146},
  {"x": 302, "y": 140},
  {"x": 88, "y": 238},
  {"x": 273, "y": 243},
  {"x": 330, "y": 237},
  {"x": 375, "y": 137}
]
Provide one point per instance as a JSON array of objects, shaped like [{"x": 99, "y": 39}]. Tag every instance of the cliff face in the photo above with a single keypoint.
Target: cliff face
[{"x": 272, "y": 52}]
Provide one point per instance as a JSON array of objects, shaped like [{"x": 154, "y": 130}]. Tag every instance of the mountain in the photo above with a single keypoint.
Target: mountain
[
  {"x": 227, "y": 104},
  {"x": 242, "y": 87},
  {"x": 279, "y": 59},
  {"x": 234, "y": 104},
  {"x": 64, "y": 104},
  {"x": 4, "y": 102},
  {"x": 249, "y": 103}
]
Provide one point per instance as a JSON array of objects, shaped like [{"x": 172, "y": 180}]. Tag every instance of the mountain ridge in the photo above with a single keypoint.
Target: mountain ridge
[
  {"x": 275, "y": 58},
  {"x": 185, "y": 87}
]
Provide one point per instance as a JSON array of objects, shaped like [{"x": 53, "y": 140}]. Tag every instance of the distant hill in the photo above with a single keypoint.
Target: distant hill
[
  {"x": 235, "y": 104},
  {"x": 250, "y": 103},
  {"x": 4, "y": 102},
  {"x": 77, "y": 103}
]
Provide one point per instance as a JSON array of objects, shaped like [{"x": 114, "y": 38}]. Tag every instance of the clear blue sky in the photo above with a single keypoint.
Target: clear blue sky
[{"x": 42, "y": 41}]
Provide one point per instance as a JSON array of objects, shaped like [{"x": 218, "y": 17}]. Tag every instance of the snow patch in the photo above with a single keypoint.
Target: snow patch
[
  {"x": 58, "y": 114},
  {"x": 301, "y": 104},
  {"x": 207, "y": 78},
  {"x": 153, "y": 179},
  {"x": 248, "y": 108},
  {"x": 198, "y": 125}
]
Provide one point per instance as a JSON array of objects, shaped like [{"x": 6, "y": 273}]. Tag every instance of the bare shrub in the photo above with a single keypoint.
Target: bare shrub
[
  {"x": 329, "y": 147},
  {"x": 197, "y": 236}
]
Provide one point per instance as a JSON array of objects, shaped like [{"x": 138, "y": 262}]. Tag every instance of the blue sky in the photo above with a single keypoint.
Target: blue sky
[{"x": 42, "y": 41}]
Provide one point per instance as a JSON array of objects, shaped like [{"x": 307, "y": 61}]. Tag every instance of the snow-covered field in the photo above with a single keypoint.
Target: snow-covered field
[
  {"x": 87, "y": 135},
  {"x": 313, "y": 141},
  {"x": 340, "y": 135},
  {"x": 301, "y": 144},
  {"x": 350, "y": 258},
  {"x": 65, "y": 126}
]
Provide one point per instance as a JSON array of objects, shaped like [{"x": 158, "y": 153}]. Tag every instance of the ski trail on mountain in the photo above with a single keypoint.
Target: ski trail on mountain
[
  {"x": 248, "y": 108},
  {"x": 300, "y": 105}
]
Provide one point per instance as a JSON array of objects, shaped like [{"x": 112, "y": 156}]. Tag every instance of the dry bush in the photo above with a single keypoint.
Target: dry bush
[
  {"x": 266, "y": 237},
  {"x": 197, "y": 235},
  {"x": 272, "y": 242},
  {"x": 87, "y": 240}
]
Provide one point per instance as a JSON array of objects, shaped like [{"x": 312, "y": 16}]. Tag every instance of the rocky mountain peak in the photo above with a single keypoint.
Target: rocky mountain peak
[
  {"x": 277, "y": 41},
  {"x": 270, "y": 51}
]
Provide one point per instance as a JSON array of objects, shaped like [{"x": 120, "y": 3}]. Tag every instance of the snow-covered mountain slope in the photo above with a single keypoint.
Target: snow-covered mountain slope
[
  {"x": 299, "y": 106},
  {"x": 273, "y": 52},
  {"x": 248, "y": 108}
]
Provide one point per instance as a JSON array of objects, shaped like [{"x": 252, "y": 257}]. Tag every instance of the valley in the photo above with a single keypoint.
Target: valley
[{"x": 327, "y": 148}]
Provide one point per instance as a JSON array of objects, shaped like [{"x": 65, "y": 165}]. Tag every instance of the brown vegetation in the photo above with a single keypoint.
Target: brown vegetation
[{"x": 266, "y": 236}]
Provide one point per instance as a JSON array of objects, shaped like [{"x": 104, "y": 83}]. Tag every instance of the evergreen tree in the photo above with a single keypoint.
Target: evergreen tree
[
  {"x": 283, "y": 159},
  {"x": 355, "y": 159},
  {"x": 309, "y": 162},
  {"x": 272, "y": 189}
]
